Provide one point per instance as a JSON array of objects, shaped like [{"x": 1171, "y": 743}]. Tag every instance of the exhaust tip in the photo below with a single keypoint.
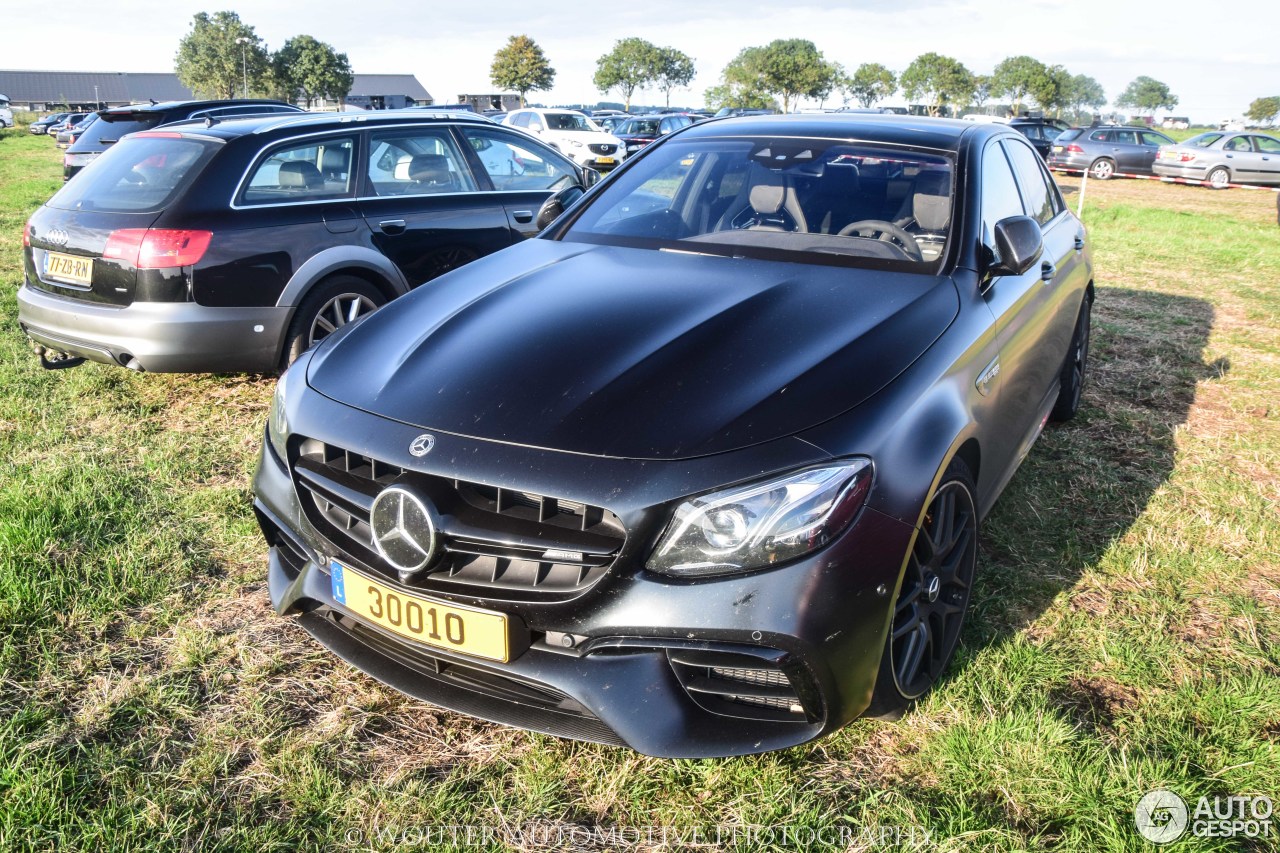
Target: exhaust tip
[{"x": 132, "y": 363}]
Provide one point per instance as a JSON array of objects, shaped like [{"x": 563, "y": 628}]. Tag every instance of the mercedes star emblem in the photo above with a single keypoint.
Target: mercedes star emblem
[
  {"x": 422, "y": 445},
  {"x": 403, "y": 530}
]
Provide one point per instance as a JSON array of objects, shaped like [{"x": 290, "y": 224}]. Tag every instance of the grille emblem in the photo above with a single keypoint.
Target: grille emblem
[
  {"x": 422, "y": 445},
  {"x": 57, "y": 237},
  {"x": 403, "y": 530}
]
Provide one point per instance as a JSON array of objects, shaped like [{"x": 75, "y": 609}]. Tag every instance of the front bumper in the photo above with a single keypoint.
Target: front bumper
[
  {"x": 165, "y": 337},
  {"x": 821, "y": 620}
]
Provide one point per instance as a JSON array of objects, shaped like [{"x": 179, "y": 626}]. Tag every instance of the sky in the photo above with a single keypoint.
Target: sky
[{"x": 1214, "y": 69}]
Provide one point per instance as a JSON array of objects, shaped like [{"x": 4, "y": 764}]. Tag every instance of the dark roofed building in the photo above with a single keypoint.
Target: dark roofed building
[{"x": 45, "y": 90}]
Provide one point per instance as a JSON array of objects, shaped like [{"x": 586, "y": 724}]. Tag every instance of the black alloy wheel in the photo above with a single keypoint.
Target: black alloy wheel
[
  {"x": 332, "y": 304},
  {"x": 1071, "y": 383},
  {"x": 933, "y": 598}
]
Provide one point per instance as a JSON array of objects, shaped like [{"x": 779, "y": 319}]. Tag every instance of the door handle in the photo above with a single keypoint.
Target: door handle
[
  {"x": 1047, "y": 272},
  {"x": 522, "y": 215},
  {"x": 392, "y": 226}
]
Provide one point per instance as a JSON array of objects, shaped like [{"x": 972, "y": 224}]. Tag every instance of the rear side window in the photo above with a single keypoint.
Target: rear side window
[
  {"x": 1240, "y": 143},
  {"x": 141, "y": 174},
  {"x": 419, "y": 161},
  {"x": 111, "y": 127},
  {"x": 316, "y": 169}
]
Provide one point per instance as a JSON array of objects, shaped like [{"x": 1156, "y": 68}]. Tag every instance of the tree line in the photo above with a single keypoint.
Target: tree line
[{"x": 222, "y": 57}]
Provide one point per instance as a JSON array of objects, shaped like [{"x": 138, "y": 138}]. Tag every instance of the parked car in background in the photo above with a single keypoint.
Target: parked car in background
[
  {"x": 67, "y": 121},
  {"x": 41, "y": 126},
  {"x": 702, "y": 480},
  {"x": 6, "y": 112},
  {"x": 1220, "y": 158},
  {"x": 572, "y": 134},
  {"x": 119, "y": 121},
  {"x": 235, "y": 245},
  {"x": 70, "y": 133},
  {"x": 638, "y": 132},
  {"x": 1104, "y": 150},
  {"x": 1040, "y": 131},
  {"x": 610, "y": 124}
]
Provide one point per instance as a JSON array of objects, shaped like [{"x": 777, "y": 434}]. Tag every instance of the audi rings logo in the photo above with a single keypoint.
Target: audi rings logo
[
  {"x": 1161, "y": 816},
  {"x": 422, "y": 445},
  {"x": 403, "y": 530},
  {"x": 57, "y": 237}
]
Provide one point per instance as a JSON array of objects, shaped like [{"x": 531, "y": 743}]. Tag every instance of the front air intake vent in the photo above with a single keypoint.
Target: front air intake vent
[{"x": 745, "y": 685}]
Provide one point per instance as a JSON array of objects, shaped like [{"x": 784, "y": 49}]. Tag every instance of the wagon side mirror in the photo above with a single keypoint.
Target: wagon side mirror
[
  {"x": 556, "y": 205},
  {"x": 1019, "y": 244}
]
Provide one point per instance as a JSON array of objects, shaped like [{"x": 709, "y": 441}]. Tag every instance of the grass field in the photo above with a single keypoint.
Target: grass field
[{"x": 1125, "y": 634}]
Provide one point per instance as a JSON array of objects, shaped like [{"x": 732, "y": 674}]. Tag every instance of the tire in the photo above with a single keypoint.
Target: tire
[
  {"x": 1218, "y": 178},
  {"x": 933, "y": 599},
  {"x": 1102, "y": 169},
  {"x": 329, "y": 305},
  {"x": 1071, "y": 381}
]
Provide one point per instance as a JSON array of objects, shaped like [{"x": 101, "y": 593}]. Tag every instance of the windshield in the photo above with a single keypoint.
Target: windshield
[
  {"x": 641, "y": 127},
  {"x": 810, "y": 200},
  {"x": 568, "y": 121},
  {"x": 139, "y": 175}
]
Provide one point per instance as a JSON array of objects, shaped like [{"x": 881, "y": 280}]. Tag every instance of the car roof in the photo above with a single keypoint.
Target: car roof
[
  {"x": 245, "y": 125},
  {"x": 921, "y": 131}
]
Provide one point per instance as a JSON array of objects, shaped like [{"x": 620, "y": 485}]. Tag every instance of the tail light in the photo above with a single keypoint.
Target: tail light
[
  {"x": 26, "y": 236},
  {"x": 1074, "y": 149},
  {"x": 157, "y": 248}
]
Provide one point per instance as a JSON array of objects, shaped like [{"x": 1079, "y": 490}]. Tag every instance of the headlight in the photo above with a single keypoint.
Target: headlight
[
  {"x": 277, "y": 421},
  {"x": 763, "y": 524}
]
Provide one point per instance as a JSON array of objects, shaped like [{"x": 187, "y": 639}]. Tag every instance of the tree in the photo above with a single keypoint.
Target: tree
[
  {"x": 981, "y": 90},
  {"x": 937, "y": 81},
  {"x": 1015, "y": 78},
  {"x": 741, "y": 83},
  {"x": 675, "y": 71},
  {"x": 521, "y": 67},
  {"x": 1147, "y": 94},
  {"x": 792, "y": 69},
  {"x": 312, "y": 69},
  {"x": 221, "y": 57},
  {"x": 631, "y": 64},
  {"x": 1263, "y": 110},
  {"x": 870, "y": 83},
  {"x": 1052, "y": 90},
  {"x": 1086, "y": 92}
]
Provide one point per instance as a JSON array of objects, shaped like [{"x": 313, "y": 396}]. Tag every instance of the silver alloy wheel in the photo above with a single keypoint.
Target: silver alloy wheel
[
  {"x": 337, "y": 312},
  {"x": 1102, "y": 169},
  {"x": 1219, "y": 178}
]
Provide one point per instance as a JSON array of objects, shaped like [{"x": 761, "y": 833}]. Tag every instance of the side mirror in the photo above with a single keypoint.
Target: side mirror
[
  {"x": 1019, "y": 244},
  {"x": 556, "y": 205},
  {"x": 590, "y": 177}
]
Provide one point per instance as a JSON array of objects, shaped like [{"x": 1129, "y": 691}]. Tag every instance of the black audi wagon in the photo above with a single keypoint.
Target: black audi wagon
[
  {"x": 235, "y": 245},
  {"x": 699, "y": 471}
]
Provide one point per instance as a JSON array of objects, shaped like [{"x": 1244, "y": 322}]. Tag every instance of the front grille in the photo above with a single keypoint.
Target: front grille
[
  {"x": 495, "y": 542},
  {"x": 742, "y": 685},
  {"x": 598, "y": 148}
]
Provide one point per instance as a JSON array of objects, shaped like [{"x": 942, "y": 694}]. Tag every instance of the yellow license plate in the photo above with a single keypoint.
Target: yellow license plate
[
  {"x": 68, "y": 268},
  {"x": 481, "y": 633},
  {"x": 1057, "y": 149},
  {"x": 604, "y": 160}
]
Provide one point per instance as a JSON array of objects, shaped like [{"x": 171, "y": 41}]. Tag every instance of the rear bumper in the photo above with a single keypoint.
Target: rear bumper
[
  {"x": 1192, "y": 172},
  {"x": 164, "y": 337}
]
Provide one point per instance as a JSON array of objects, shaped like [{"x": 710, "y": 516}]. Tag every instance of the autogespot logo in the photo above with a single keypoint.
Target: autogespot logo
[{"x": 1161, "y": 817}]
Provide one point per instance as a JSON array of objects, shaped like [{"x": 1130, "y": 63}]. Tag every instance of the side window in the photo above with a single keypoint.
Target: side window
[
  {"x": 1267, "y": 145},
  {"x": 513, "y": 163},
  {"x": 1154, "y": 139},
  {"x": 1101, "y": 136},
  {"x": 1000, "y": 198},
  {"x": 1127, "y": 137},
  {"x": 1038, "y": 193},
  {"x": 418, "y": 161},
  {"x": 533, "y": 122},
  {"x": 1240, "y": 143},
  {"x": 314, "y": 169}
]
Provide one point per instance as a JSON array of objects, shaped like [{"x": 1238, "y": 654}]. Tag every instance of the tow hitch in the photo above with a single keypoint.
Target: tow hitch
[{"x": 54, "y": 360}]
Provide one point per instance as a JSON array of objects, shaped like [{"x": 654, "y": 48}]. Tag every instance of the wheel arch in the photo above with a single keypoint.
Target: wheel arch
[{"x": 362, "y": 263}]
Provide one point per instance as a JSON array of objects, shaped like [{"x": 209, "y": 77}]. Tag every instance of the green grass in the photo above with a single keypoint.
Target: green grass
[{"x": 1125, "y": 632}]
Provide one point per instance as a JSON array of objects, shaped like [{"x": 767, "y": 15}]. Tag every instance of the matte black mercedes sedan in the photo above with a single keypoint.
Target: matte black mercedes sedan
[{"x": 701, "y": 476}]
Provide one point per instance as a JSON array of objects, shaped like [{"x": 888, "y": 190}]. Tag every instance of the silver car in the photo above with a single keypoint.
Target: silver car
[
  {"x": 1219, "y": 158},
  {"x": 1107, "y": 150}
]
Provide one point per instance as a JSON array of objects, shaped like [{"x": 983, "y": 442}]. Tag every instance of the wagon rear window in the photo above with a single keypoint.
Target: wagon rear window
[{"x": 138, "y": 175}]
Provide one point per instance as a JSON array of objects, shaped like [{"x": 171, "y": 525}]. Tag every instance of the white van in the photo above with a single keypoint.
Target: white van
[{"x": 6, "y": 114}]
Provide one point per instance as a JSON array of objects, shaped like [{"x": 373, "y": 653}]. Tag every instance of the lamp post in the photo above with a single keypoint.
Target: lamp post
[
  {"x": 97, "y": 105},
  {"x": 244, "y": 62}
]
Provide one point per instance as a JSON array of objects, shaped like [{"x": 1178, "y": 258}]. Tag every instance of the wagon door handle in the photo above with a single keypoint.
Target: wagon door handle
[
  {"x": 522, "y": 215},
  {"x": 392, "y": 226},
  {"x": 1047, "y": 272}
]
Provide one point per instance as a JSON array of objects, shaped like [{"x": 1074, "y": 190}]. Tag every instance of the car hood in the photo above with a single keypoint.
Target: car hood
[{"x": 633, "y": 352}]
